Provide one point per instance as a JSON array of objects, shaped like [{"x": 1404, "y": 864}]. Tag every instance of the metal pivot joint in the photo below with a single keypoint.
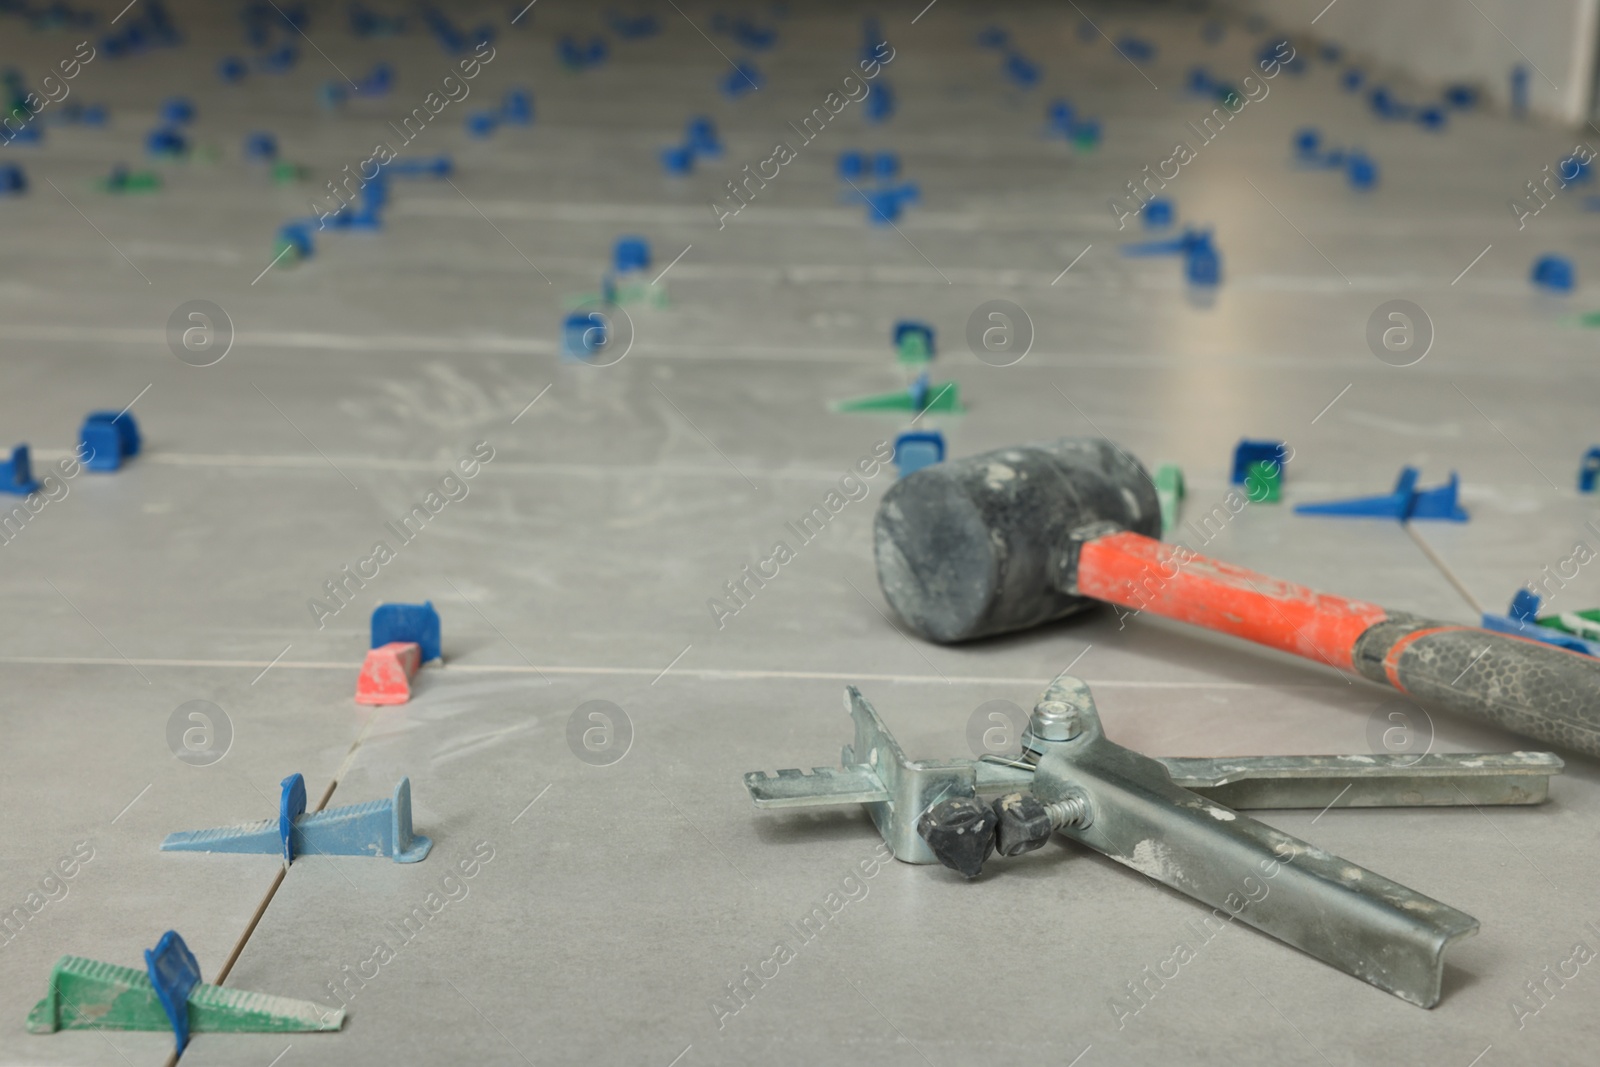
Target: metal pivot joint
[{"x": 1167, "y": 820}]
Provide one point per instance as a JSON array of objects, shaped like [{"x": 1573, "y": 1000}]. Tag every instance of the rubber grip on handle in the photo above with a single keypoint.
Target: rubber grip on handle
[
  {"x": 1525, "y": 686},
  {"x": 1145, "y": 574}
]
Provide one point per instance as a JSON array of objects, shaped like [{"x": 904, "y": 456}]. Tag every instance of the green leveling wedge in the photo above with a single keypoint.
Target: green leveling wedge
[
  {"x": 923, "y": 395},
  {"x": 87, "y": 994}
]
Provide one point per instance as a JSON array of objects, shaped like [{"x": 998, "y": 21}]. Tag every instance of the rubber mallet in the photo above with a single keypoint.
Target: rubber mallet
[{"x": 1021, "y": 536}]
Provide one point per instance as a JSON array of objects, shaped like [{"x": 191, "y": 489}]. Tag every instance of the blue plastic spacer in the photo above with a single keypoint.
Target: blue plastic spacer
[
  {"x": 174, "y": 972},
  {"x": 1201, "y": 82},
  {"x": 883, "y": 206},
  {"x": 677, "y": 160},
  {"x": 262, "y": 146},
  {"x": 1158, "y": 213},
  {"x": 1247, "y": 452},
  {"x": 109, "y": 437},
  {"x": 1589, "y": 470},
  {"x": 1184, "y": 244},
  {"x": 232, "y": 70},
  {"x": 1202, "y": 265},
  {"x": 993, "y": 37},
  {"x": 1308, "y": 144},
  {"x": 408, "y": 622},
  {"x": 885, "y": 165},
  {"x": 435, "y": 167},
  {"x": 16, "y": 473},
  {"x": 742, "y": 79},
  {"x": 518, "y": 107},
  {"x": 630, "y": 253},
  {"x": 1522, "y": 620},
  {"x": 1432, "y": 117},
  {"x": 165, "y": 142},
  {"x": 583, "y": 333},
  {"x": 1403, "y": 504},
  {"x": 177, "y": 111},
  {"x": 916, "y": 449},
  {"x": 1361, "y": 170},
  {"x": 482, "y": 123},
  {"x": 13, "y": 181},
  {"x": 919, "y": 391},
  {"x": 1022, "y": 70},
  {"x": 1061, "y": 114},
  {"x": 291, "y": 805},
  {"x": 1555, "y": 273},
  {"x": 376, "y": 828},
  {"x": 298, "y": 234},
  {"x": 1519, "y": 91},
  {"x": 1136, "y": 49},
  {"x": 1461, "y": 96},
  {"x": 908, "y": 326},
  {"x": 852, "y": 165},
  {"x": 701, "y": 137},
  {"x": 879, "y": 104}
]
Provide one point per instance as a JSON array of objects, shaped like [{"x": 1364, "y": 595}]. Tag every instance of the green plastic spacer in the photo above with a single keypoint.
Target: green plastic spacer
[
  {"x": 87, "y": 994},
  {"x": 1263, "y": 482},
  {"x": 913, "y": 349},
  {"x": 1585, "y": 624},
  {"x": 1169, "y": 491},
  {"x": 942, "y": 397}
]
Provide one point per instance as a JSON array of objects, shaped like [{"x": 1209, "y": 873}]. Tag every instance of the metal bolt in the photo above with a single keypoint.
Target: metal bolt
[
  {"x": 1054, "y": 720},
  {"x": 1070, "y": 812}
]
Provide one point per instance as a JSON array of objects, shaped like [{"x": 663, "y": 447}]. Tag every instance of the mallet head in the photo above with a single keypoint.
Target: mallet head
[{"x": 970, "y": 547}]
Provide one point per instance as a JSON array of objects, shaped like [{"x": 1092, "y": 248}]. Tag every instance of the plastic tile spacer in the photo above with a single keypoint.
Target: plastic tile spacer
[
  {"x": 916, "y": 449},
  {"x": 1589, "y": 470},
  {"x": 174, "y": 972},
  {"x": 1361, "y": 171},
  {"x": 386, "y": 675},
  {"x": 1555, "y": 273},
  {"x": 630, "y": 253},
  {"x": 700, "y": 136},
  {"x": 1263, "y": 482},
  {"x": 109, "y": 437},
  {"x": 583, "y": 333},
  {"x": 1405, "y": 503},
  {"x": 1169, "y": 493},
  {"x": 435, "y": 167},
  {"x": 262, "y": 146},
  {"x": 291, "y": 805},
  {"x": 87, "y": 994},
  {"x": 1521, "y": 619},
  {"x": 16, "y": 473},
  {"x": 677, "y": 160},
  {"x": 1247, "y": 453},
  {"x": 377, "y": 828},
  {"x": 914, "y": 341},
  {"x": 177, "y": 111},
  {"x": 517, "y": 108},
  {"x": 408, "y": 622}
]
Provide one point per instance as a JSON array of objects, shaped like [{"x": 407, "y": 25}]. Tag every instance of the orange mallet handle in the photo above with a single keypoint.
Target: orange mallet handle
[{"x": 1522, "y": 685}]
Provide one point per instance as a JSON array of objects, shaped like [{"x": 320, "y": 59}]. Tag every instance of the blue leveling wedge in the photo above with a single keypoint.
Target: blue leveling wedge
[
  {"x": 376, "y": 828},
  {"x": 87, "y": 994}
]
